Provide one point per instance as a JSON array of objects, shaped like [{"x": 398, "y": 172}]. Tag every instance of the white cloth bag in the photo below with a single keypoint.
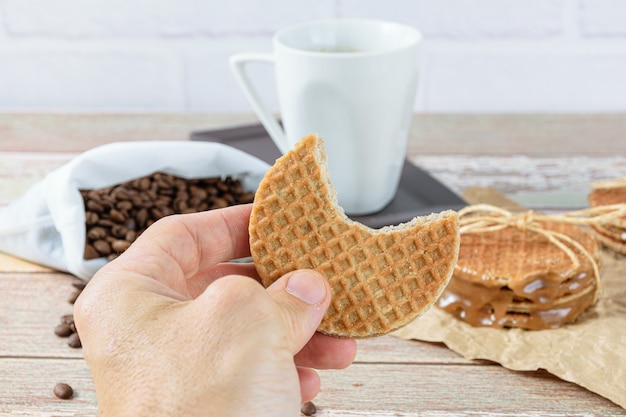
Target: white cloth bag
[{"x": 47, "y": 224}]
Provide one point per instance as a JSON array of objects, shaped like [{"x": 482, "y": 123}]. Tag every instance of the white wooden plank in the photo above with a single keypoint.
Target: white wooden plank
[
  {"x": 517, "y": 174},
  {"x": 493, "y": 134},
  {"x": 446, "y": 390},
  {"x": 568, "y": 177},
  {"x": 390, "y": 349},
  {"x": 19, "y": 170},
  {"x": 31, "y": 306},
  {"x": 361, "y": 390},
  {"x": 26, "y": 388}
]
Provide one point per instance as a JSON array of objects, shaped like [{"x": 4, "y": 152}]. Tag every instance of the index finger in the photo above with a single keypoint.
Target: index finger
[{"x": 180, "y": 247}]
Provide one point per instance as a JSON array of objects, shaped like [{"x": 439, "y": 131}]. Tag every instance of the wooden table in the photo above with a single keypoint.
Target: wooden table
[{"x": 542, "y": 161}]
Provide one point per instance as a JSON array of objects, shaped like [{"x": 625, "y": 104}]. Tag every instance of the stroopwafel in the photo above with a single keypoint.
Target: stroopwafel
[
  {"x": 607, "y": 193},
  {"x": 380, "y": 279},
  {"x": 518, "y": 278}
]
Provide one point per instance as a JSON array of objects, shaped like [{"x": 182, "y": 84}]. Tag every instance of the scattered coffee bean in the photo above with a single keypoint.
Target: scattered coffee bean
[
  {"x": 72, "y": 298},
  {"x": 79, "y": 285},
  {"x": 308, "y": 408},
  {"x": 63, "y": 330},
  {"x": 63, "y": 391},
  {"x": 73, "y": 341},
  {"x": 115, "y": 216},
  {"x": 67, "y": 328}
]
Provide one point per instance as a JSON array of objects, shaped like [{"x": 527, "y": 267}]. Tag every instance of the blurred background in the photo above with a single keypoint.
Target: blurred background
[{"x": 513, "y": 56}]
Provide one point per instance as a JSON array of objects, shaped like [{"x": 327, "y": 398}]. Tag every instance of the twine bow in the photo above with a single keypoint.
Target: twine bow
[{"x": 482, "y": 218}]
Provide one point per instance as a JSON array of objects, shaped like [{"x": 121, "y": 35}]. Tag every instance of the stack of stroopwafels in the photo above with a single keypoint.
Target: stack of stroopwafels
[
  {"x": 380, "y": 279},
  {"x": 604, "y": 193},
  {"x": 515, "y": 276}
]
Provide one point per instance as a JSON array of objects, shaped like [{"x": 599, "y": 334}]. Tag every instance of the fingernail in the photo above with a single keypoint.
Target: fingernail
[{"x": 308, "y": 286}]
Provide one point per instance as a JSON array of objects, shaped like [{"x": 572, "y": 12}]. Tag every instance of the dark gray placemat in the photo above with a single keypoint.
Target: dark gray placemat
[{"x": 418, "y": 192}]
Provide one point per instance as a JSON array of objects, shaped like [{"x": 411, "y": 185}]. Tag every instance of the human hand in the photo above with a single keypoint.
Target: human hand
[{"x": 170, "y": 329}]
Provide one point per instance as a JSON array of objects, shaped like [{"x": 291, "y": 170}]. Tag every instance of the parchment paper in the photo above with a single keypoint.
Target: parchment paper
[{"x": 590, "y": 352}]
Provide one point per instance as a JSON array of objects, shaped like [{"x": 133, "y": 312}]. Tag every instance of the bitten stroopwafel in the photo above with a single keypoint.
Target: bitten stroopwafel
[
  {"x": 516, "y": 277},
  {"x": 380, "y": 279},
  {"x": 605, "y": 193}
]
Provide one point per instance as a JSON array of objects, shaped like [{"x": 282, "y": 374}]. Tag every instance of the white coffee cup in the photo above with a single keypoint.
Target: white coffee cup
[{"x": 353, "y": 82}]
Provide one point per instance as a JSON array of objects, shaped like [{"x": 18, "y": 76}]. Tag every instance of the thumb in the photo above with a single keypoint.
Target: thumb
[{"x": 302, "y": 297}]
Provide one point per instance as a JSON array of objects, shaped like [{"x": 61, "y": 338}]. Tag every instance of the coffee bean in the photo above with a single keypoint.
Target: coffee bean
[
  {"x": 121, "y": 195},
  {"x": 136, "y": 200},
  {"x": 222, "y": 186},
  {"x": 144, "y": 184},
  {"x": 63, "y": 330},
  {"x": 91, "y": 218},
  {"x": 149, "y": 196},
  {"x": 67, "y": 318},
  {"x": 96, "y": 233},
  {"x": 163, "y": 201},
  {"x": 73, "y": 341},
  {"x": 198, "y": 192},
  {"x": 131, "y": 224},
  {"x": 119, "y": 231},
  {"x": 90, "y": 252},
  {"x": 102, "y": 246},
  {"x": 130, "y": 236},
  {"x": 63, "y": 391},
  {"x": 79, "y": 285},
  {"x": 95, "y": 206},
  {"x": 105, "y": 223},
  {"x": 308, "y": 408},
  {"x": 72, "y": 298},
  {"x": 124, "y": 205},
  {"x": 156, "y": 213},
  {"x": 117, "y": 216},
  {"x": 246, "y": 198},
  {"x": 219, "y": 203},
  {"x": 119, "y": 245},
  {"x": 142, "y": 217}
]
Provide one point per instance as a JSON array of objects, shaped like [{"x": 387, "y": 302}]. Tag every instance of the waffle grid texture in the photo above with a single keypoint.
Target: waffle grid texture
[{"x": 380, "y": 279}]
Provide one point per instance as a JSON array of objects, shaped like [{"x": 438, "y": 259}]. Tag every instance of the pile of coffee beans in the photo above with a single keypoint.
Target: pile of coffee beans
[{"x": 115, "y": 216}]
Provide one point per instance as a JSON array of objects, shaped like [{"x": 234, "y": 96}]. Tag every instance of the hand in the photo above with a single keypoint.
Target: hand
[{"x": 170, "y": 329}]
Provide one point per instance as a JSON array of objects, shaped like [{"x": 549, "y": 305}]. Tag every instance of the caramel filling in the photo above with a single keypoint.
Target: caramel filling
[{"x": 540, "y": 304}]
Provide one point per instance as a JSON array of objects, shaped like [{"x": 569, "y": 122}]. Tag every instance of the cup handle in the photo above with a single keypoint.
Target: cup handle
[{"x": 238, "y": 66}]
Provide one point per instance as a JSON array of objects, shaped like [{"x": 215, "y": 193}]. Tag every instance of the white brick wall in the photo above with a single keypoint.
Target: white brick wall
[{"x": 480, "y": 55}]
